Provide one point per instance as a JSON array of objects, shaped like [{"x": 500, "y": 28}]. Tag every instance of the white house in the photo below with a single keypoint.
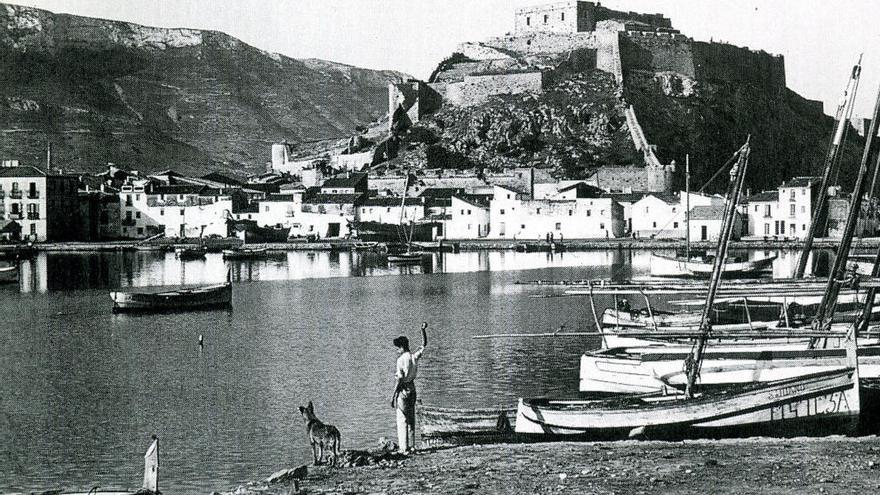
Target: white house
[
  {"x": 514, "y": 216},
  {"x": 663, "y": 216},
  {"x": 786, "y": 212},
  {"x": 281, "y": 210},
  {"x": 761, "y": 212},
  {"x": 177, "y": 210},
  {"x": 389, "y": 210},
  {"x": 468, "y": 218},
  {"x": 705, "y": 223},
  {"x": 327, "y": 216}
]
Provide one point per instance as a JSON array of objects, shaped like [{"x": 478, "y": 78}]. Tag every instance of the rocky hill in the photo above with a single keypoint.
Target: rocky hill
[
  {"x": 567, "y": 102},
  {"x": 151, "y": 98}
]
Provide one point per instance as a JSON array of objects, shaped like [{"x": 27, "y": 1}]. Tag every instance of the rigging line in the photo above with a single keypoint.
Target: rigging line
[{"x": 728, "y": 163}]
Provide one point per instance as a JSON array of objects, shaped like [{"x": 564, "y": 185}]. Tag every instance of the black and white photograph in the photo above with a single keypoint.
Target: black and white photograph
[{"x": 278, "y": 247}]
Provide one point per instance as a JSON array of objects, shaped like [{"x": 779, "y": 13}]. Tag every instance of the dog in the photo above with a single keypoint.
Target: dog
[{"x": 321, "y": 435}]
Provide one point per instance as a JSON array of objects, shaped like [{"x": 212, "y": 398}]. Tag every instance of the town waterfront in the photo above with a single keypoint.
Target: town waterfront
[{"x": 83, "y": 389}]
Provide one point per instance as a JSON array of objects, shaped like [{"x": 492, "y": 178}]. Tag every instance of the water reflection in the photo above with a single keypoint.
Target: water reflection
[{"x": 69, "y": 271}]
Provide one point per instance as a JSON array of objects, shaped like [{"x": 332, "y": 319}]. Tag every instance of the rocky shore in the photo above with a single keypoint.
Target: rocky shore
[{"x": 782, "y": 466}]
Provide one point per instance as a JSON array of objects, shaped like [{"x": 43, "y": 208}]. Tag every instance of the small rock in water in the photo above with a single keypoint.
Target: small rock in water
[
  {"x": 688, "y": 471},
  {"x": 585, "y": 471},
  {"x": 872, "y": 464},
  {"x": 562, "y": 476}
]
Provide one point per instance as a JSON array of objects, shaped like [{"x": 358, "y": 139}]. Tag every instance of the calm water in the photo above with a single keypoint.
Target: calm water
[{"x": 82, "y": 389}]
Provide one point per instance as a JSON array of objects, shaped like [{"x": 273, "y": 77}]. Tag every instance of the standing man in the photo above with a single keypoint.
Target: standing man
[{"x": 404, "y": 399}]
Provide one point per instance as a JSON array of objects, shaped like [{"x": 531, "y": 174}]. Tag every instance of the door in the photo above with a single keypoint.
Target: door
[
  {"x": 501, "y": 229},
  {"x": 182, "y": 230},
  {"x": 792, "y": 230},
  {"x": 704, "y": 232},
  {"x": 333, "y": 230}
]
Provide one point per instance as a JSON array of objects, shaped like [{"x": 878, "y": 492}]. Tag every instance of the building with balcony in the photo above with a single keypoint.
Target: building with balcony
[{"x": 46, "y": 206}]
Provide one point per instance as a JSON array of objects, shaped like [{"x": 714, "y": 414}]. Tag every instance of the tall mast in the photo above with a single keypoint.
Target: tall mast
[
  {"x": 836, "y": 274},
  {"x": 687, "y": 202},
  {"x": 737, "y": 177},
  {"x": 848, "y": 100}
]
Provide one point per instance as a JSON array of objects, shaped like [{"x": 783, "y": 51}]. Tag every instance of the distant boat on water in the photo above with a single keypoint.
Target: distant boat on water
[
  {"x": 190, "y": 253},
  {"x": 203, "y": 297},
  {"x": 674, "y": 266}
]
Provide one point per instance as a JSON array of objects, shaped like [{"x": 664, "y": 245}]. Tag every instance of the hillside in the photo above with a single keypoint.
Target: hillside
[
  {"x": 560, "y": 101},
  {"x": 152, "y": 98}
]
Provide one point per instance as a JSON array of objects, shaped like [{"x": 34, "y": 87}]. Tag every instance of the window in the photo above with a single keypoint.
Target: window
[
  {"x": 791, "y": 210},
  {"x": 673, "y": 209},
  {"x": 266, "y": 208},
  {"x": 766, "y": 229},
  {"x": 528, "y": 21},
  {"x": 602, "y": 212},
  {"x": 462, "y": 212},
  {"x": 508, "y": 196},
  {"x": 137, "y": 197},
  {"x": 502, "y": 211},
  {"x": 16, "y": 208},
  {"x": 803, "y": 209},
  {"x": 180, "y": 197},
  {"x": 601, "y": 226},
  {"x": 33, "y": 229},
  {"x": 646, "y": 209},
  {"x": 33, "y": 212},
  {"x": 767, "y": 211},
  {"x": 137, "y": 215},
  {"x": 570, "y": 212},
  {"x": 558, "y": 226},
  {"x": 756, "y": 208},
  {"x": 162, "y": 212},
  {"x": 469, "y": 226},
  {"x": 588, "y": 212},
  {"x": 140, "y": 230},
  {"x": 128, "y": 216},
  {"x": 182, "y": 211},
  {"x": 803, "y": 226},
  {"x": 127, "y": 198},
  {"x": 522, "y": 226},
  {"x": 546, "y": 18},
  {"x": 674, "y": 225},
  {"x": 538, "y": 211},
  {"x": 469, "y": 212},
  {"x": 655, "y": 224},
  {"x": 562, "y": 16},
  {"x": 388, "y": 210},
  {"x": 793, "y": 192}
]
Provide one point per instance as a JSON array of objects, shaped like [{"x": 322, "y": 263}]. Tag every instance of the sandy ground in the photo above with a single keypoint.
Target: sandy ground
[{"x": 793, "y": 466}]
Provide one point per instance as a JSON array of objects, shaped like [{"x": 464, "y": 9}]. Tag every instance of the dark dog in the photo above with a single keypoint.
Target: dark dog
[{"x": 321, "y": 435}]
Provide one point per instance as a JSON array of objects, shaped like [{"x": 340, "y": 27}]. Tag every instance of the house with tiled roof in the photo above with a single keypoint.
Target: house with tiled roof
[
  {"x": 705, "y": 222},
  {"x": 784, "y": 213}
]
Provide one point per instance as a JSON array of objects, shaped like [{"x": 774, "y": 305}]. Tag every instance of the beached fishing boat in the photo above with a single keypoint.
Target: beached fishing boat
[
  {"x": 442, "y": 426},
  {"x": 203, "y": 297},
  {"x": 818, "y": 404},
  {"x": 8, "y": 274},
  {"x": 672, "y": 266}
]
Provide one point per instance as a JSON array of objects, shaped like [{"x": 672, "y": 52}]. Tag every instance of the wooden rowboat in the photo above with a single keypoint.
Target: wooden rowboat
[
  {"x": 190, "y": 253},
  {"x": 445, "y": 426},
  {"x": 408, "y": 257},
  {"x": 208, "y": 296},
  {"x": 245, "y": 254}
]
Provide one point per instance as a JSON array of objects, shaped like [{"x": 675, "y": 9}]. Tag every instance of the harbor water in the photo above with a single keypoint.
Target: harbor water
[{"x": 83, "y": 389}]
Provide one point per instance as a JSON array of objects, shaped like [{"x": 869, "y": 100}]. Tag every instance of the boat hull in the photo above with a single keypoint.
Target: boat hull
[
  {"x": 667, "y": 266},
  {"x": 405, "y": 258},
  {"x": 8, "y": 274},
  {"x": 786, "y": 407},
  {"x": 217, "y": 296},
  {"x": 659, "y": 368}
]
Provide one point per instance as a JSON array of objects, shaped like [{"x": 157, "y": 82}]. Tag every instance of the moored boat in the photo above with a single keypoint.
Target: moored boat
[
  {"x": 202, "y": 297},
  {"x": 672, "y": 266},
  {"x": 190, "y": 253},
  {"x": 245, "y": 254},
  {"x": 407, "y": 257}
]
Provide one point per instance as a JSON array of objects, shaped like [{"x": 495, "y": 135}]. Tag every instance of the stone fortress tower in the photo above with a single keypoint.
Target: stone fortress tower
[{"x": 554, "y": 40}]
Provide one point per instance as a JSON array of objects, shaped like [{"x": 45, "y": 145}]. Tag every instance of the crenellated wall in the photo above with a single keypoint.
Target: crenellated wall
[
  {"x": 657, "y": 52},
  {"x": 723, "y": 62}
]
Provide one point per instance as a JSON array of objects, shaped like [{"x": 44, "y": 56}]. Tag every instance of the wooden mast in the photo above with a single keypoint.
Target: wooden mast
[
  {"x": 737, "y": 177},
  {"x": 836, "y": 274},
  {"x": 837, "y": 137},
  {"x": 687, "y": 207}
]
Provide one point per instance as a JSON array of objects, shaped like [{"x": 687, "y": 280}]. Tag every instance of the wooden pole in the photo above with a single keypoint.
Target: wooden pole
[{"x": 687, "y": 208}]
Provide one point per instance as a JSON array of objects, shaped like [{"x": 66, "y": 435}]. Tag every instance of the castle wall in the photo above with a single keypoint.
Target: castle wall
[
  {"x": 657, "y": 52},
  {"x": 723, "y": 62},
  {"x": 633, "y": 179},
  {"x": 416, "y": 98},
  {"x": 477, "y": 89},
  {"x": 577, "y": 16}
]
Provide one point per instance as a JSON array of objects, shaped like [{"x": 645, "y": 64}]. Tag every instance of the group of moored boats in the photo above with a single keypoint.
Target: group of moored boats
[{"x": 753, "y": 357}]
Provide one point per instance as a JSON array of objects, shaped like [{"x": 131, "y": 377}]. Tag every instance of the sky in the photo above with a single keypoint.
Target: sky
[{"x": 820, "y": 39}]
